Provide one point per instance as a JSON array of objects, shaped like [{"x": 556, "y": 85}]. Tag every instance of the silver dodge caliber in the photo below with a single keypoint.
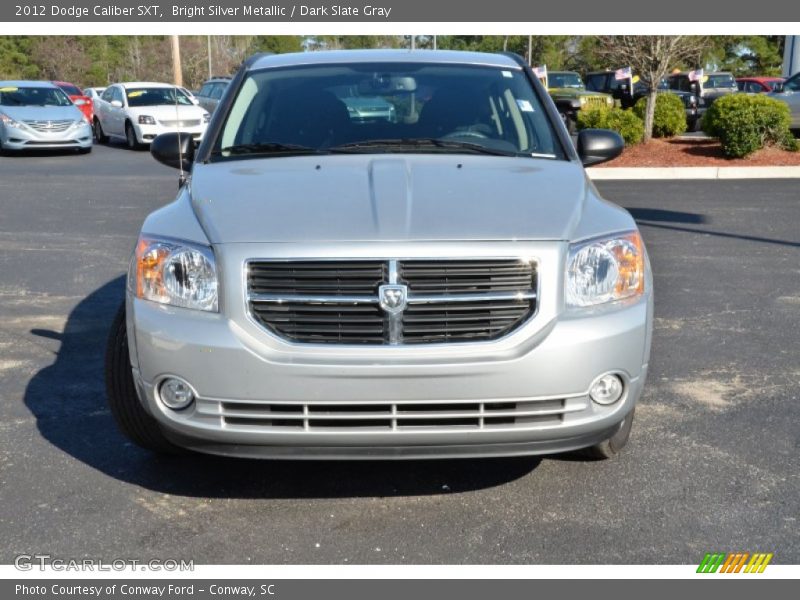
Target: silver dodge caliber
[{"x": 444, "y": 283}]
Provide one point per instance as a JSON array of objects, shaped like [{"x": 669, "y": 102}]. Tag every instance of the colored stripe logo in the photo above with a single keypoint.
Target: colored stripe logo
[{"x": 734, "y": 562}]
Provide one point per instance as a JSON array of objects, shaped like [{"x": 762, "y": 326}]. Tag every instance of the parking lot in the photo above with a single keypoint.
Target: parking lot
[{"x": 713, "y": 463}]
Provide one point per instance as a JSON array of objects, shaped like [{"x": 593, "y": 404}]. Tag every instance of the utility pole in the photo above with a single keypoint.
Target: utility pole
[
  {"x": 413, "y": 42},
  {"x": 177, "y": 72},
  {"x": 209, "y": 58},
  {"x": 435, "y": 46},
  {"x": 530, "y": 50}
]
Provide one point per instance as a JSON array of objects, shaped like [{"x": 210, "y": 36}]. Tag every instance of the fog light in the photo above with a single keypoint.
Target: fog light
[
  {"x": 607, "y": 390},
  {"x": 175, "y": 394}
]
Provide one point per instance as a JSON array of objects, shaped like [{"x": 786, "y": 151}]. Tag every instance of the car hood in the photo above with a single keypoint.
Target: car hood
[
  {"x": 388, "y": 198},
  {"x": 42, "y": 113}
]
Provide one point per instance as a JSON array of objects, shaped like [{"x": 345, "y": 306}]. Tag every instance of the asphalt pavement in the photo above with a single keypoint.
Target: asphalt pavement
[{"x": 713, "y": 463}]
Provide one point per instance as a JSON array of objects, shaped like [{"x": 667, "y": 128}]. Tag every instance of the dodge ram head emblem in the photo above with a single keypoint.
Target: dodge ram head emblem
[{"x": 393, "y": 297}]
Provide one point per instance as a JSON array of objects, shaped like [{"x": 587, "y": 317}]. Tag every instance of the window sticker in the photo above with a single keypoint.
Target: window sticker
[
  {"x": 135, "y": 94},
  {"x": 9, "y": 89},
  {"x": 508, "y": 74},
  {"x": 524, "y": 105}
]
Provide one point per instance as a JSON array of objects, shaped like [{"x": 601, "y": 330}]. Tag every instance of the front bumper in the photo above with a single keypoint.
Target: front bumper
[
  {"x": 147, "y": 133},
  {"x": 544, "y": 370},
  {"x": 24, "y": 138}
]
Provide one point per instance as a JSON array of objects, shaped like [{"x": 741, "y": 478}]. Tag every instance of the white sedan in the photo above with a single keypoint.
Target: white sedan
[{"x": 139, "y": 111}]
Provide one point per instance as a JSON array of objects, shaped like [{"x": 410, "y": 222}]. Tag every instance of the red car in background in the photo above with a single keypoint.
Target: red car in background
[
  {"x": 758, "y": 85},
  {"x": 78, "y": 99}
]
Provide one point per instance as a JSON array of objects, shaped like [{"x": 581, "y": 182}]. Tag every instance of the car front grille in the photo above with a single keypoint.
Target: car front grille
[
  {"x": 594, "y": 101},
  {"x": 50, "y": 126},
  {"x": 347, "y": 302},
  {"x": 184, "y": 123},
  {"x": 377, "y": 415}
]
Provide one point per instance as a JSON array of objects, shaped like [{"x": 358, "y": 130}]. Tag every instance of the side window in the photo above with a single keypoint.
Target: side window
[
  {"x": 594, "y": 83},
  {"x": 792, "y": 84},
  {"x": 117, "y": 94},
  {"x": 216, "y": 91},
  {"x": 107, "y": 95},
  {"x": 205, "y": 91}
]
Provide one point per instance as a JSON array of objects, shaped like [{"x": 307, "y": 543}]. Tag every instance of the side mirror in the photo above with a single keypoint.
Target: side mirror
[
  {"x": 599, "y": 145},
  {"x": 117, "y": 103},
  {"x": 174, "y": 149}
]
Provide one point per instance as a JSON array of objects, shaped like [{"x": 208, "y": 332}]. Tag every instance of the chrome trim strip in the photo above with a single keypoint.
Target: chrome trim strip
[
  {"x": 422, "y": 299},
  {"x": 477, "y": 297},
  {"x": 303, "y": 299}
]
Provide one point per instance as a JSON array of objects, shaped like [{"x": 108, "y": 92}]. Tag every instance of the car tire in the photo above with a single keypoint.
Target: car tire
[
  {"x": 611, "y": 447},
  {"x": 131, "y": 417},
  {"x": 99, "y": 134},
  {"x": 130, "y": 137}
]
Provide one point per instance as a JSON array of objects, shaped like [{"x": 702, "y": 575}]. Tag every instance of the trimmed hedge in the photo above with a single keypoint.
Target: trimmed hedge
[
  {"x": 745, "y": 123},
  {"x": 669, "y": 119},
  {"x": 624, "y": 122}
]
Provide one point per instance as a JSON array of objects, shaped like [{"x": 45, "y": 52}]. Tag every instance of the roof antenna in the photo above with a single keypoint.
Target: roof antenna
[{"x": 182, "y": 177}]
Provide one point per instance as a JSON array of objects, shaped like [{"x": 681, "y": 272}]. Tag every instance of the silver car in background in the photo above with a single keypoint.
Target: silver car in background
[
  {"x": 789, "y": 92},
  {"x": 445, "y": 284},
  {"x": 36, "y": 115}
]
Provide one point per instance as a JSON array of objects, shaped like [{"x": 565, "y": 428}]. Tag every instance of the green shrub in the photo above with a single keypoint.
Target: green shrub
[
  {"x": 745, "y": 123},
  {"x": 669, "y": 119},
  {"x": 624, "y": 122}
]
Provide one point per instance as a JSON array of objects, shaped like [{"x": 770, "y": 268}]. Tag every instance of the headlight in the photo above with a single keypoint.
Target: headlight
[
  {"x": 605, "y": 270},
  {"x": 175, "y": 273},
  {"x": 146, "y": 120},
  {"x": 9, "y": 122}
]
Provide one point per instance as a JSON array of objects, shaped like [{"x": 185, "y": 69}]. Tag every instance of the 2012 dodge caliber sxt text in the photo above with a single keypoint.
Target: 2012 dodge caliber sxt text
[{"x": 439, "y": 279}]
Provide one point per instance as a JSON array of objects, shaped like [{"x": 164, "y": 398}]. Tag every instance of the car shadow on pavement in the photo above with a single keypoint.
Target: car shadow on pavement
[
  {"x": 673, "y": 220},
  {"x": 68, "y": 401}
]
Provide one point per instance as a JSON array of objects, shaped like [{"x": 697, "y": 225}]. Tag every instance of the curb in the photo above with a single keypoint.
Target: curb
[{"x": 693, "y": 173}]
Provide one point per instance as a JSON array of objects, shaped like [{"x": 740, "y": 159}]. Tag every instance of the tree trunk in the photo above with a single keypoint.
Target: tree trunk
[{"x": 649, "y": 113}]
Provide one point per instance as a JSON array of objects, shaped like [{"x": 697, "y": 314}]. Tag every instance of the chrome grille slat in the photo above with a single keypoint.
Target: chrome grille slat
[{"x": 338, "y": 301}]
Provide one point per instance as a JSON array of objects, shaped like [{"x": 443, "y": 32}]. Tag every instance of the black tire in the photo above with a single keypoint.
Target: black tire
[
  {"x": 611, "y": 447},
  {"x": 99, "y": 134},
  {"x": 130, "y": 137},
  {"x": 128, "y": 412}
]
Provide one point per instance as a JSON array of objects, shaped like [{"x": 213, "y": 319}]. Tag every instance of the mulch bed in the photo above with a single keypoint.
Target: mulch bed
[{"x": 697, "y": 153}]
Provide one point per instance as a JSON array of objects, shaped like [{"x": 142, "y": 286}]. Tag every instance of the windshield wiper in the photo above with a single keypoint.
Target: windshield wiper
[
  {"x": 268, "y": 148},
  {"x": 421, "y": 143}
]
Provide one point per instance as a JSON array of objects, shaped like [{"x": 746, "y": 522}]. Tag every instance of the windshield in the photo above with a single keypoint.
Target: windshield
[
  {"x": 70, "y": 89},
  {"x": 387, "y": 107},
  {"x": 564, "y": 80},
  {"x": 154, "y": 96},
  {"x": 33, "y": 96},
  {"x": 720, "y": 81}
]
